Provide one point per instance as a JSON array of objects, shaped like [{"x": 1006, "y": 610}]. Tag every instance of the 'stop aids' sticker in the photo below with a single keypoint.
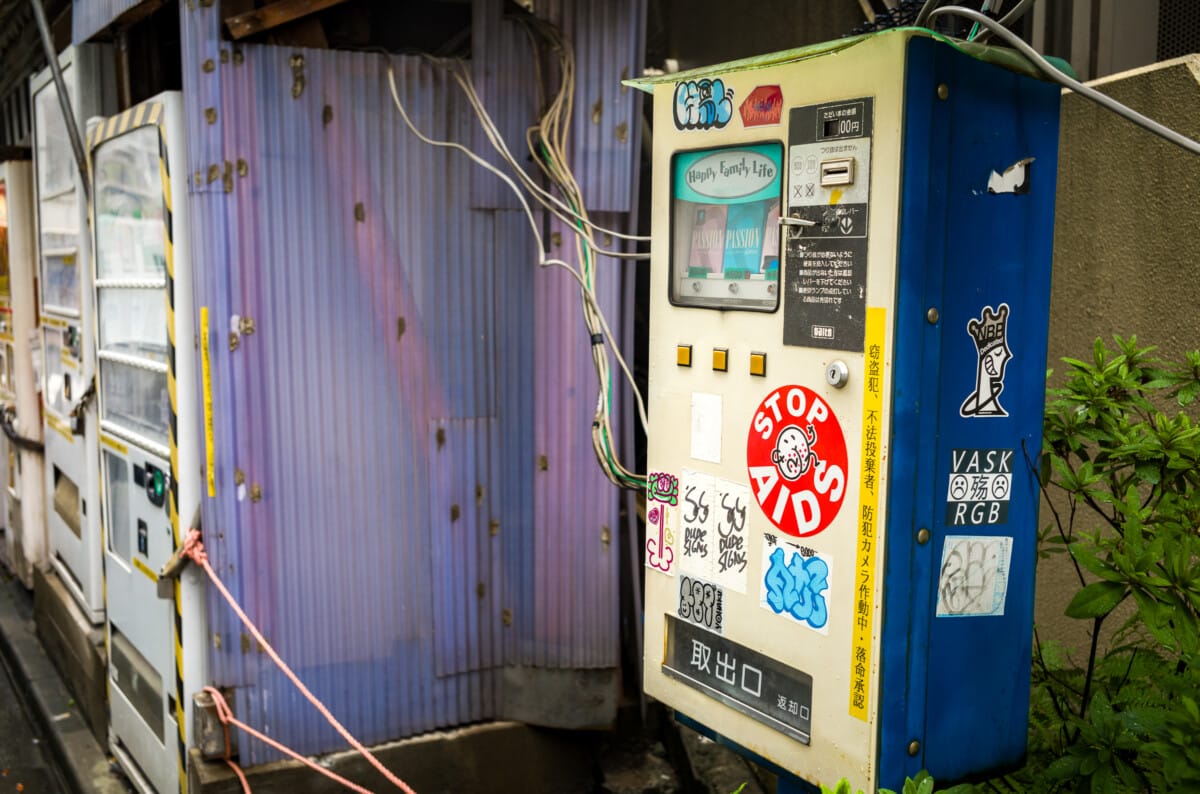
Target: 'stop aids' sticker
[{"x": 796, "y": 459}]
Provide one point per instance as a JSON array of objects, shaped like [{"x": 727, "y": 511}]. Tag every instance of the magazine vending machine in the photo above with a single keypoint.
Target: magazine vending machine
[
  {"x": 849, "y": 308},
  {"x": 149, "y": 434},
  {"x": 72, "y": 478},
  {"x": 21, "y": 487}
]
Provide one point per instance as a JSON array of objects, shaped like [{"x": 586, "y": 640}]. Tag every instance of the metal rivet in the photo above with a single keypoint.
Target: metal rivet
[
  {"x": 208, "y": 65},
  {"x": 493, "y": 527},
  {"x": 243, "y": 167},
  {"x": 480, "y": 590},
  {"x": 543, "y": 463},
  {"x": 224, "y": 56},
  {"x": 238, "y": 57},
  {"x": 239, "y": 477},
  {"x": 556, "y": 238},
  {"x": 932, "y": 315},
  {"x": 360, "y": 212},
  {"x": 605, "y": 535},
  {"x": 455, "y": 512},
  {"x": 943, "y": 91},
  {"x": 401, "y": 326},
  {"x": 256, "y": 493},
  {"x": 440, "y": 435},
  {"x": 227, "y": 178},
  {"x": 622, "y": 132},
  {"x": 506, "y": 617},
  {"x": 914, "y": 747},
  {"x": 326, "y": 115},
  {"x": 922, "y": 536},
  {"x": 597, "y": 111},
  {"x": 210, "y": 115},
  {"x": 478, "y": 494},
  {"x": 234, "y": 341},
  {"x": 214, "y": 173}
]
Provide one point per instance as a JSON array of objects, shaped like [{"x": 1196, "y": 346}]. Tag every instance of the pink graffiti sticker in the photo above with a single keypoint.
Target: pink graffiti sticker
[
  {"x": 662, "y": 521},
  {"x": 796, "y": 459}
]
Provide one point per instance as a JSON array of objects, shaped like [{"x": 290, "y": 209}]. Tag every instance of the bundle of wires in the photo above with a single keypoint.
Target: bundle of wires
[{"x": 547, "y": 140}]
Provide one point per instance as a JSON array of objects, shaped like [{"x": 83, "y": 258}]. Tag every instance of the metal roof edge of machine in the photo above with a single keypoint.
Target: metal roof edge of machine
[{"x": 1000, "y": 56}]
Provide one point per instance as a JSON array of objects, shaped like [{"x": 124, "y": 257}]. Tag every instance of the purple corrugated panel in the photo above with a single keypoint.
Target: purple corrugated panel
[
  {"x": 89, "y": 17},
  {"x": 408, "y": 364}
]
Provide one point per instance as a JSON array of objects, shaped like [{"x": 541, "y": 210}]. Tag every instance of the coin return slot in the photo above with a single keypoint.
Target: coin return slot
[{"x": 839, "y": 171}]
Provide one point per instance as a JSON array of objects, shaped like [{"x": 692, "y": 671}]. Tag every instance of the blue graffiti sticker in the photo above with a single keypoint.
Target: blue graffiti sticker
[
  {"x": 796, "y": 582},
  {"x": 702, "y": 104}
]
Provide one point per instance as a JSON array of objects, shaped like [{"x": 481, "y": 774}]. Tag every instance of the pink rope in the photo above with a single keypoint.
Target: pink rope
[
  {"x": 193, "y": 548},
  {"x": 225, "y": 714}
]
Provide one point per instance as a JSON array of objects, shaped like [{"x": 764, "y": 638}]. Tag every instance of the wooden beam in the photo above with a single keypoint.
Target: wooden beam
[{"x": 272, "y": 16}]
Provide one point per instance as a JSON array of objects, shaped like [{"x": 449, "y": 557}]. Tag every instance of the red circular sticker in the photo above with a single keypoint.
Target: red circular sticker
[{"x": 796, "y": 458}]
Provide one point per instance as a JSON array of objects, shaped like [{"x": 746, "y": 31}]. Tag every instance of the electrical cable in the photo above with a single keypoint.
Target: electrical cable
[
  {"x": 1035, "y": 58},
  {"x": 463, "y": 78},
  {"x": 925, "y": 12},
  {"x": 552, "y": 134},
  {"x": 1008, "y": 20}
]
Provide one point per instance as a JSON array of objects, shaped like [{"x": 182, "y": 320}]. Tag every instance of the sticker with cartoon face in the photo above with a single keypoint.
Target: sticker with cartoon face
[
  {"x": 796, "y": 460},
  {"x": 793, "y": 452}
]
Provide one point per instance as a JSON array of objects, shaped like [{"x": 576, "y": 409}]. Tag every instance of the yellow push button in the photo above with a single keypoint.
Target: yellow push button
[
  {"x": 683, "y": 355},
  {"x": 758, "y": 364},
  {"x": 720, "y": 359}
]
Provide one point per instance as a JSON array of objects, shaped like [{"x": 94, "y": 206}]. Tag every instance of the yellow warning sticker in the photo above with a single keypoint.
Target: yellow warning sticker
[
  {"x": 206, "y": 382},
  {"x": 868, "y": 516}
]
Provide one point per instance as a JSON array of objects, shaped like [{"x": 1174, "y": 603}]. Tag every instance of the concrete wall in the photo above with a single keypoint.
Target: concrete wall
[{"x": 1126, "y": 248}]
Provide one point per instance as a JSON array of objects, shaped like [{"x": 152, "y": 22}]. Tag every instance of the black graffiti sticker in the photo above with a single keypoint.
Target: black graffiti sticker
[
  {"x": 702, "y": 603},
  {"x": 973, "y": 580},
  {"x": 990, "y": 334},
  {"x": 702, "y": 104},
  {"x": 715, "y": 536}
]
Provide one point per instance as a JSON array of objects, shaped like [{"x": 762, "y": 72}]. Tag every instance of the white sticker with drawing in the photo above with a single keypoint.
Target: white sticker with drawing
[{"x": 973, "y": 580}]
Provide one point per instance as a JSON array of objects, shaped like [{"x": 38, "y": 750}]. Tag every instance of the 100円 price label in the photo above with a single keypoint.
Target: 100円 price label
[{"x": 740, "y": 677}]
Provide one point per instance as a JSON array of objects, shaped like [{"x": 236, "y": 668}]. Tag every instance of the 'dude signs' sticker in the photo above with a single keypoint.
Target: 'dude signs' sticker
[{"x": 796, "y": 459}]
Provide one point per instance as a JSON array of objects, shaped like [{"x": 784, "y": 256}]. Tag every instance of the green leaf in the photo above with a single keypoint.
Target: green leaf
[{"x": 1096, "y": 600}]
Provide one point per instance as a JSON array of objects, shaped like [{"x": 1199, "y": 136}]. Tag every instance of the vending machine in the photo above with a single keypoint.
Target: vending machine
[
  {"x": 72, "y": 478},
  {"x": 21, "y": 489},
  {"x": 148, "y": 434},
  {"x": 849, "y": 307}
]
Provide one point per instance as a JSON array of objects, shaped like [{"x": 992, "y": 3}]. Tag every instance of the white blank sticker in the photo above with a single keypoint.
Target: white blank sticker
[{"x": 706, "y": 427}]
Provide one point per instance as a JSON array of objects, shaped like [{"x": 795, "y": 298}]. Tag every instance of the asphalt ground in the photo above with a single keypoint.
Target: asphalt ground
[{"x": 26, "y": 763}]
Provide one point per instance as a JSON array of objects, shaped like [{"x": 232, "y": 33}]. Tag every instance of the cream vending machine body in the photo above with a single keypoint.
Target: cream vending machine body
[
  {"x": 23, "y": 493},
  {"x": 149, "y": 433},
  {"x": 849, "y": 310},
  {"x": 71, "y": 435}
]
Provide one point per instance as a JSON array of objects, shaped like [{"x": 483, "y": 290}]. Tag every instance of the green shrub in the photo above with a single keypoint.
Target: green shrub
[{"x": 1122, "y": 451}]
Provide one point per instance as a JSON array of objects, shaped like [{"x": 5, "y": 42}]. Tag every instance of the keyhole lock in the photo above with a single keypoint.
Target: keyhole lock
[{"x": 837, "y": 374}]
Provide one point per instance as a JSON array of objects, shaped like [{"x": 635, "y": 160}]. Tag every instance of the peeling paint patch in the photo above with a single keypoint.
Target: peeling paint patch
[{"x": 1015, "y": 178}]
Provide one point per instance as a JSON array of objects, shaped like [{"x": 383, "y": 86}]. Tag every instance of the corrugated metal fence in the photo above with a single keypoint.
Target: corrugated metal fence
[{"x": 406, "y": 498}]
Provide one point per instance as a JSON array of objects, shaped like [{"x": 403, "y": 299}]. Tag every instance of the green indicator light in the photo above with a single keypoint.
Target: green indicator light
[{"x": 159, "y": 486}]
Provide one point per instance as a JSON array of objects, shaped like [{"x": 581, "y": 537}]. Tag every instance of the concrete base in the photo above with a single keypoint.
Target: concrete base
[
  {"x": 496, "y": 756},
  {"x": 76, "y": 648}
]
